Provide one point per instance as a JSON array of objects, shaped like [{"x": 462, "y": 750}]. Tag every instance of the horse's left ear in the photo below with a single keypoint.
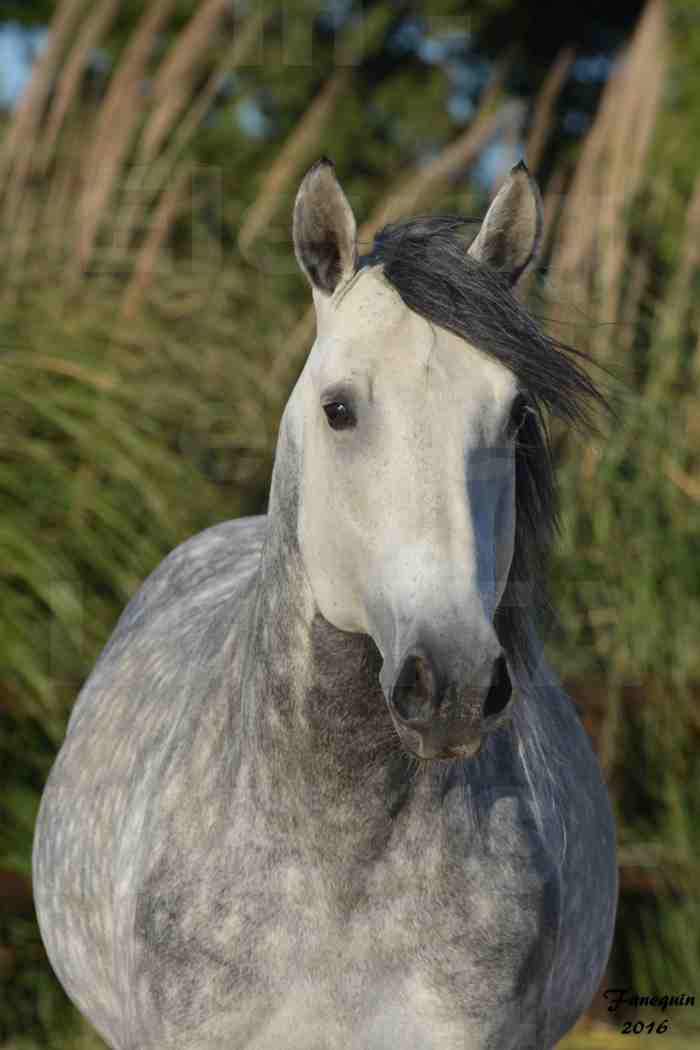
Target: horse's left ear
[
  {"x": 511, "y": 234},
  {"x": 324, "y": 229}
]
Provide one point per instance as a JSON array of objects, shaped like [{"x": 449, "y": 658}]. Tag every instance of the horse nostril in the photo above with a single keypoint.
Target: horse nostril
[
  {"x": 413, "y": 690},
  {"x": 500, "y": 691}
]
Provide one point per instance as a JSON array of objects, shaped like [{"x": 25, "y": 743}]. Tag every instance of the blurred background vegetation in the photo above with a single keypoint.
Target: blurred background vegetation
[{"x": 152, "y": 323}]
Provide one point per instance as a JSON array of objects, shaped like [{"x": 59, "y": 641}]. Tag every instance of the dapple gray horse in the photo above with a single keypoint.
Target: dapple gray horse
[{"x": 321, "y": 790}]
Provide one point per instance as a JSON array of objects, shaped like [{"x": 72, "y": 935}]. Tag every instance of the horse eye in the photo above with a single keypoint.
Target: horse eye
[
  {"x": 339, "y": 415},
  {"x": 518, "y": 411}
]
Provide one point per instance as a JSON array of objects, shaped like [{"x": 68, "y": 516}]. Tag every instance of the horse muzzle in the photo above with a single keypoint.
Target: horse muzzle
[{"x": 439, "y": 716}]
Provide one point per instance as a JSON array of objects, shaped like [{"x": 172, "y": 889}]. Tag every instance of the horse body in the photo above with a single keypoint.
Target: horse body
[
  {"x": 289, "y": 896},
  {"x": 234, "y": 849}
]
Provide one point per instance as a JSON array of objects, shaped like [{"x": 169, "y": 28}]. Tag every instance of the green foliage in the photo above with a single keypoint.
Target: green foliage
[{"x": 677, "y": 148}]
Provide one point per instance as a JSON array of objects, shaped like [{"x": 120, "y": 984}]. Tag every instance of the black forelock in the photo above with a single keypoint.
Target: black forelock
[{"x": 425, "y": 259}]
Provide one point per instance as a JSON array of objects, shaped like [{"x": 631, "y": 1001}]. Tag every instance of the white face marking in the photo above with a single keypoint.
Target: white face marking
[{"x": 411, "y": 511}]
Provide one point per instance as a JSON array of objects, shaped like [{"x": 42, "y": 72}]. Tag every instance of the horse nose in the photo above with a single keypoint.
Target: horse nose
[
  {"x": 500, "y": 690},
  {"x": 448, "y": 717},
  {"x": 416, "y": 691}
]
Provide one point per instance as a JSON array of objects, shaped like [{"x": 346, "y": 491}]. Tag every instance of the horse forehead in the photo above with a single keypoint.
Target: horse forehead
[
  {"x": 359, "y": 326},
  {"x": 371, "y": 331},
  {"x": 369, "y": 303}
]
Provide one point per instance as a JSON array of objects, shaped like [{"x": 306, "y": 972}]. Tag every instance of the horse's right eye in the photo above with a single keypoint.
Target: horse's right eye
[{"x": 339, "y": 415}]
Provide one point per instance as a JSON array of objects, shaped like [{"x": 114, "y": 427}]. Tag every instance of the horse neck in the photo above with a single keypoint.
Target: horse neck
[{"x": 310, "y": 692}]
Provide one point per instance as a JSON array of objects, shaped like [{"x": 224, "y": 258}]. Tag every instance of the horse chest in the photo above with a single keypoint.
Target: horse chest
[{"x": 400, "y": 954}]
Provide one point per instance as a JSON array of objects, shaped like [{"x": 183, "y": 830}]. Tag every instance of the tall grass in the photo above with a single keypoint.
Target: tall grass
[{"x": 146, "y": 354}]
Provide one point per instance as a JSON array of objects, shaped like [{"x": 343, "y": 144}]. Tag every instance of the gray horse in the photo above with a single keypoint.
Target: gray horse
[{"x": 321, "y": 790}]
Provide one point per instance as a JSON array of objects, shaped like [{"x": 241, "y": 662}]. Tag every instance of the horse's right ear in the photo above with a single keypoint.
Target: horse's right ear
[{"x": 324, "y": 229}]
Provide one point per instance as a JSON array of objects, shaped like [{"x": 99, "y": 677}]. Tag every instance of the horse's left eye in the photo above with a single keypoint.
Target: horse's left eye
[
  {"x": 518, "y": 411},
  {"x": 339, "y": 415}
]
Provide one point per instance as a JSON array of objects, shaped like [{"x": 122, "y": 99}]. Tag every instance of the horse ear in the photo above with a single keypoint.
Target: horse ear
[
  {"x": 511, "y": 234},
  {"x": 324, "y": 228}
]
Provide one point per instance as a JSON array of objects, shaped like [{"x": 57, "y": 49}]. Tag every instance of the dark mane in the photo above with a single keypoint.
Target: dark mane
[{"x": 425, "y": 259}]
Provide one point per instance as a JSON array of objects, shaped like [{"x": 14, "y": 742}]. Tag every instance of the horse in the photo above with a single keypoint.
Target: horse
[{"x": 322, "y": 789}]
